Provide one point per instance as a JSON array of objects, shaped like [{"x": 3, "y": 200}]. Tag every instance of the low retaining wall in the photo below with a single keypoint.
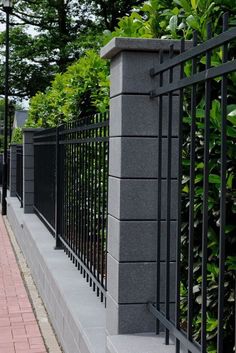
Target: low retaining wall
[{"x": 74, "y": 310}]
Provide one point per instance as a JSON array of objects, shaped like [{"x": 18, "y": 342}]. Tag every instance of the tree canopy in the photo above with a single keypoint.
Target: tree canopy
[{"x": 48, "y": 35}]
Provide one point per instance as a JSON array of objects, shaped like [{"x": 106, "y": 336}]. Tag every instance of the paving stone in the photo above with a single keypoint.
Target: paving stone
[{"x": 19, "y": 331}]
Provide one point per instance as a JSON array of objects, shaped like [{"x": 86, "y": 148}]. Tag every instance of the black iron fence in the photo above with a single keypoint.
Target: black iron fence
[
  {"x": 19, "y": 173},
  {"x": 45, "y": 176},
  {"x": 71, "y": 187},
  {"x": 8, "y": 169},
  {"x": 202, "y": 79}
]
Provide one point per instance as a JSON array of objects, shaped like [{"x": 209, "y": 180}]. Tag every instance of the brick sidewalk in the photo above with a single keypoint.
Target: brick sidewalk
[{"x": 19, "y": 331}]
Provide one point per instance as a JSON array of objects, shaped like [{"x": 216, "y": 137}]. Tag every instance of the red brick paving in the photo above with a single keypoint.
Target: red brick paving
[{"x": 19, "y": 331}]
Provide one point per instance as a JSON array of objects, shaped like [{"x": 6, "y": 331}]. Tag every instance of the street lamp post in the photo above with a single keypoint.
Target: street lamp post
[{"x": 7, "y": 6}]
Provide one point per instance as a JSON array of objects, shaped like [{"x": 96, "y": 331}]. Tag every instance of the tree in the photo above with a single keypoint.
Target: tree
[
  {"x": 35, "y": 58},
  {"x": 109, "y": 12},
  {"x": 62, "y": 31}
]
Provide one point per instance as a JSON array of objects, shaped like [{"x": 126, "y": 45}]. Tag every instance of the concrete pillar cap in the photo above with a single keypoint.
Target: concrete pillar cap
[{"x": 117, "y": 45}]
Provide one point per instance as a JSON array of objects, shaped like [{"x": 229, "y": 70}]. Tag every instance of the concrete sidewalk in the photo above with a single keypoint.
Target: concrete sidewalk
[{"x": 19, "y": 330}]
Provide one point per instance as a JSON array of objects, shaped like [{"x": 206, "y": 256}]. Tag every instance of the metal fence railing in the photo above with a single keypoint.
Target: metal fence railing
[
  {"x": 202, "y": 319},
  {"x": 45, "y": 176},
  {"x": 71, "y": 187},
  {"x": 8, "y": 169},
  {"x": 19, "y": 173}
]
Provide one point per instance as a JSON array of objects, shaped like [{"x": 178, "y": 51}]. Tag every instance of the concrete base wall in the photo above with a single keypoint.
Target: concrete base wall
[
  {"x": 74, "y": 310},
  {"x": 76, "y": 313}
]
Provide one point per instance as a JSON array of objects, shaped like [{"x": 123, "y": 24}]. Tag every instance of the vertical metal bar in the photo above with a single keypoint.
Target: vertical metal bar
[
  {"x": 223, "y": 171},
  {"x": 95, "y": 252},
  {"x": 68, "y": 191},
  {"x": 178, "y": 236},
  {"x": 85, "y": 196},
  {"x": 73, "y": 211},
  {"x": 91, "y": 187},
  {"x": 82, "y": 197},
  {"x": 106, "y": 202},
  {"x": 78, "y": 199},
  {"x": 21, "y": 178},
  {"x": 102, "y": 215},
  {"x": 71, "y": 185},
  {"x": 168, "y": 198},
  {"x": 234, "y": 309},
  {"x": 57, "y": 193},
  {"x": 191, "y": 196},
  {"x": 75, "y": 166},
  {"x": 63, "y": 185},
  {"x": 66, "y": 188},
  {"x": 6, "y": 113},
  {"x": 104, "y": 177},
  {"x": 99, "y": 205},
  {"x": 159, "y": 199},
  {"x": 205, "y": 199},
  {"x": 88, "y": 196}
]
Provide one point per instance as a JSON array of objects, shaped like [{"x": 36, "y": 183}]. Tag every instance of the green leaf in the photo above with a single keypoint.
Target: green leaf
[
  {"x": 231, "y": 131},
  {"x": 229, "y": 228},
  {"x": 200, "y": 165},
  {"x": 231, "y": 262},
  {"x": 184, "y": 4},
  {"x": 212, "y": 324},
  {"x": 213, "y": 269},
  {"x": 214, "y": 179},
  {"x": 194, "y": 4},
  {"x": 230, "y": 181},
  {"x": 173, "y": 23},
  {"x": 198, "y": 178},
  {"x": 192, "y": 22},
  {"x": 200, "y": 113},
  {"x": 232, "y": 117}
]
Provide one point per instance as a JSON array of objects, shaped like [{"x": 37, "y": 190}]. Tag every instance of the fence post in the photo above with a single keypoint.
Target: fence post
[
  {"x": 28, "y": 169},
  {"x": 133, "y": 194},
  {"x": 58, "y": 195},
  {"x": 12, "y": 186}
]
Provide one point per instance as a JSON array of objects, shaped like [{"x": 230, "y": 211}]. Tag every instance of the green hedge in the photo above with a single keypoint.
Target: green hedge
[{"x": 82, "y": 90}]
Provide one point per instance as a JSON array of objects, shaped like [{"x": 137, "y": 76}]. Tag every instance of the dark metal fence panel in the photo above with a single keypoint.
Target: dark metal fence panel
[
  {"x": 71, "y": 192},
  {"x": 205, "y": 259},
  {"x": 8, "y": 169},
  {"x": 44, "y": 176},
  {"x": 84, "y": 150},
  {"x": 19, "y": 173}
]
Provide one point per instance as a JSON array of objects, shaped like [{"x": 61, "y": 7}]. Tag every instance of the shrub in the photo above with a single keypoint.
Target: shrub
[
  {"x": 82, "y": 90},
  {"x": 17, "y": 136}
]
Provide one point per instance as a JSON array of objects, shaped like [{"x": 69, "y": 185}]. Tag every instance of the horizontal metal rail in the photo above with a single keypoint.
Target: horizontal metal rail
[
  {"x": 85, "y": 140},
  {"x": 212, "y": 43},
  {"x": 208, "y": 74},
  {"x": 192, "y": 347},
  {"x": 45, "y": 221},
  {"x": 84, "y": 128},
  {"x": 43, "y": 143}
]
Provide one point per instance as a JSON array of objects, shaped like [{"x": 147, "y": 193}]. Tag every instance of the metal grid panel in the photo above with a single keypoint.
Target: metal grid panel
[
  {"x": 206, "y": 85},
  {"x": 71, "y": 192}
]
